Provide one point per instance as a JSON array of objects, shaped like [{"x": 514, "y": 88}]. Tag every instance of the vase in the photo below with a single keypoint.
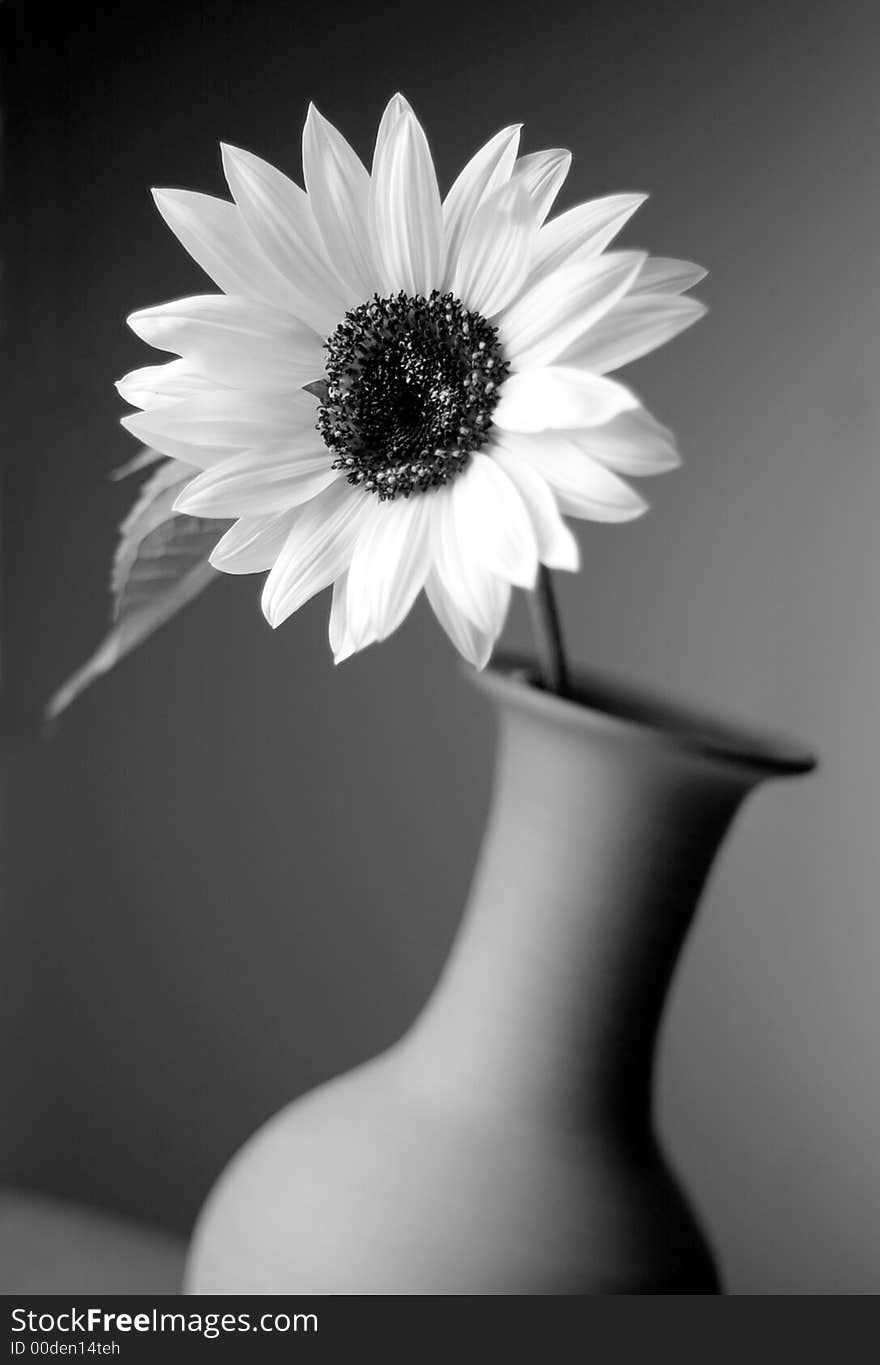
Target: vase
[{"x": 505, "y": 1144}]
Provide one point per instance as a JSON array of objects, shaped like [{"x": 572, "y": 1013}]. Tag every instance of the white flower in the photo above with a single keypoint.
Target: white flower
[{"x": 398, "y": 392}]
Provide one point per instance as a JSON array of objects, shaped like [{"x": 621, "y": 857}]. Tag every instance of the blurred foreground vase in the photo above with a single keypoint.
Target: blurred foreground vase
[{"x": 505, "y": 1144}]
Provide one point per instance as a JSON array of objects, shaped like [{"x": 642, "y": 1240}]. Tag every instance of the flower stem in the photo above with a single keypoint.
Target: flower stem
[{"x": 547, "y": 633}]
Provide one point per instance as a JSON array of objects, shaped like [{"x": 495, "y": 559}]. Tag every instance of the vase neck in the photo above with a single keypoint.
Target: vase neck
[{"x": 598, "y": 844}]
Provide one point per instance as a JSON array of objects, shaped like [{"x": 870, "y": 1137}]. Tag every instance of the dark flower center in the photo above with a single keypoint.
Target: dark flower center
[{"x": 410, "y": 388}]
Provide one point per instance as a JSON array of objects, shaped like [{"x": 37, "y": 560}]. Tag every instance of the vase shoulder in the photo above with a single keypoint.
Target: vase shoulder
[{"x": 337, "y": 1193}]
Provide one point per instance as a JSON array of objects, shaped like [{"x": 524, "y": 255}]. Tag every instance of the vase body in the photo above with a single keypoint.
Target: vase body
[{"x": 505, "y": 1144}]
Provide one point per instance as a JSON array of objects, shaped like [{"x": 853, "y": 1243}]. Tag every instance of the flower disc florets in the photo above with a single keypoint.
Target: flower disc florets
[{"x": 411, "y": 385}]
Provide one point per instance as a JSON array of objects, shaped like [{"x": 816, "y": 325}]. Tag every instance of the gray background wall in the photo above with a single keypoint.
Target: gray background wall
[{"x": 204, "y": 913}]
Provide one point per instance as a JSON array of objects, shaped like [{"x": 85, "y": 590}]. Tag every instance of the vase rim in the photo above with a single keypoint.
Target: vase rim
[{"x": 625, "y": 707}]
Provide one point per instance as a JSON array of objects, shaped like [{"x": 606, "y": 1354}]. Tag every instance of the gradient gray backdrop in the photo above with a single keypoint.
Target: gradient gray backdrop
[{"x": 235, "y": 869}]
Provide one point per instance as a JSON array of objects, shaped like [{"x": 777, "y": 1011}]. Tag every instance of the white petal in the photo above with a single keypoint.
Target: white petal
[
  {"x": 341, "y": 642},
  {"x": 561, "y": 309},
  {"x": 489, "y": 169},
  {"x": 155, "y": 386},
  {"x": 405, "y": 215},
  {"x": 145, "y": 427},
  {"x": 559, "y": 397},
  {"x": 258, "y": 483},
  {"x": 583, "y": 487},
  {"x": 339, "y": 189},
  {"x": 474, "y": 643},
  {"x": 583, "y": 231},
  {"x": 492, "y": 524},
  {"x": 213, "y": 426},
  {"x": 543, "y": 174},
  {"x": 662, "y": 275},
  {"x": 215, "y": 235},
  {"x": 396, "y": 106},
  {"x": 317, "y": 550},
  {"x": 469, "y": 584},
  {"x": 388, "y": 568},
  {"x": 636, "y": 325},
  {"x": 496, "y": 251},
  {"x": 279, "y": 215},
  {"x": 557, "y": 547},
  {"x": 237, "y": 341},
  {"x": 252, "y": 545},
  {"x": 633, "y": 443}
]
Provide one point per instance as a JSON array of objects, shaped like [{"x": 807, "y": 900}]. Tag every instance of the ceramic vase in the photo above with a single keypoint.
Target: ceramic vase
[{"x": 505, "y": 1145}]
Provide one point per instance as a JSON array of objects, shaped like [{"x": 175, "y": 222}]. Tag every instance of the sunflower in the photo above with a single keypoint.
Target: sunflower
[{"x": 398, "y": 392}]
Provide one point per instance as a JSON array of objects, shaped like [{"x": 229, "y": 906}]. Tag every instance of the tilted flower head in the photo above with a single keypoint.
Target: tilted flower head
[{"x": 398, "y": 392}]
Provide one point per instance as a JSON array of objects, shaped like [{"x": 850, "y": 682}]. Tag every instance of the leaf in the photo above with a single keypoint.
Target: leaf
[
  {"x": 140, "y": 461},
  {"x": 151, "y": 511},
  {"x": 160, "y": 564}
]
